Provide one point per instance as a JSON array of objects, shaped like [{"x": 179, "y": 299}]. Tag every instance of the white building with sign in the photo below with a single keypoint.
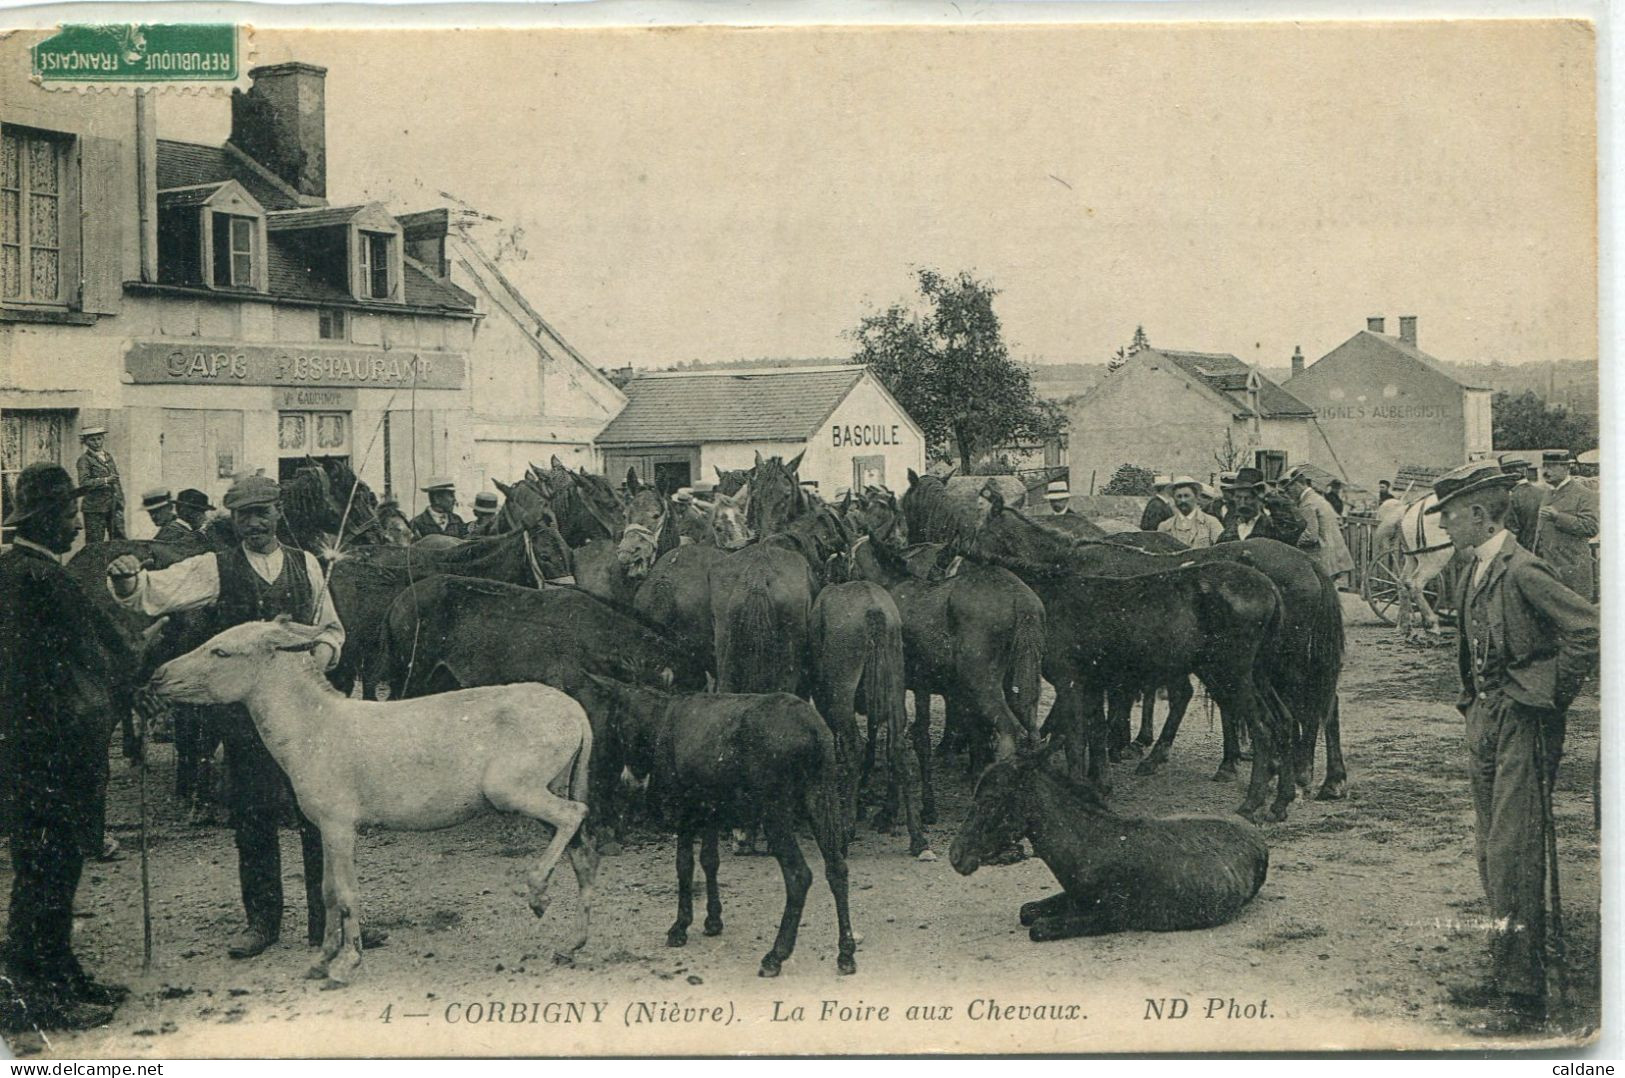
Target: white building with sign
[
  {"x": 209, "y": 307},
  {"x": 679, "y": 427}
]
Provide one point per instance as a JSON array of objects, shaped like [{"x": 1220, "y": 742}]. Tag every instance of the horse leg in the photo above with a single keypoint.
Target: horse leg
[
  {"x": 1092, "y": 733},
  {"x": 677, "y": 934},
  {"x": 1230, "y": 734},
  {"x": 869, "y": 753},
  {"x": 332, "y": 925},
  {"x": 1337, "y": 776},
  {"x": 1238, "y": 698},
  {"x": 583, "y": 856},
  {"x": 1076, "y": 918},
  {"x": 901, "y": 775},
  {"x": 1119, "y": 703},
  {"x": 1180, "y": 693},
  {"x": 709, "y": 862},
  {"x": 1044, "y": 907},
  {"x": 832, "y": 847},
  {"x": 1148, "y": 717},
  {"x": 781, "y": 839},
  {"x": 523, "y": 791},
  {"x": 1425, "y": 573},
  {"x": 338, "y": 855},
  {"x": 920, "y": 733}
]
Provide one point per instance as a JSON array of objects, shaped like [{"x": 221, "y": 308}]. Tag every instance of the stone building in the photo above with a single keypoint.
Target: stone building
[
  {"x": 1383, "y": 404},
  {"x": 210, "y": 306}
]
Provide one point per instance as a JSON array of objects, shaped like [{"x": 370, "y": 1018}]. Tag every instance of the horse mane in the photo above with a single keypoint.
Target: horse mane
[
  {"x": 932, "y": 514},
  {"x": 1086, "y": 795}
]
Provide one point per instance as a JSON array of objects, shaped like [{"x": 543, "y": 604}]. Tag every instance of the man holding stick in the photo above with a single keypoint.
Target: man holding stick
[{"x": 1526, "y": 645}]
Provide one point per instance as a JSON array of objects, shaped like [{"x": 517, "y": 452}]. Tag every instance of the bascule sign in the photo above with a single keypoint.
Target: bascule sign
[{"x": 201, "y": 364}]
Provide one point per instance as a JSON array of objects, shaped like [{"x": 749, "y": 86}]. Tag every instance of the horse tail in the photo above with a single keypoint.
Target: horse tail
[
  {"x": 746, "y": 661},
  {"x": 883, "y": 684},
  {"x": 581, "y": 767},
  {"x": 826, "y": 808},
  {"x": 1026, "y": 663}
]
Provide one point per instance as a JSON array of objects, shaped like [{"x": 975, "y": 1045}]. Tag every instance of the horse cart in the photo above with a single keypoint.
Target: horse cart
[{"x": 1378, "y": 574}]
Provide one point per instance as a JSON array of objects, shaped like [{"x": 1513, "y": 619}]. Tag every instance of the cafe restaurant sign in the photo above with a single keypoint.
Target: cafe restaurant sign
[{"x": 203, "y": 364}]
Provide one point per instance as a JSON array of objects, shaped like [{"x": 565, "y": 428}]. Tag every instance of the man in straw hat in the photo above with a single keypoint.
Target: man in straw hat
[
  {"x": 160, "y": 509},
  {"x": 61, "y": 667},
  {"x": 103, "y": 505},
  {"x": 1059, "y": 497},
  {"x": 1565, "y": 524},
  {"x": 1160, "y": 507},
  {"x": 258, "y": 579},
  {"x": 1526, "y": 644},
  {"x": 1189, "y": 524},
  {"x": 485, "y": 515},
  {"x": 440, "y": 518}
]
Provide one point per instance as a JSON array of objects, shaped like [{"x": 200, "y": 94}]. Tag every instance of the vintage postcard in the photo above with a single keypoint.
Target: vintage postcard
[{"x": 852, "y": 451}]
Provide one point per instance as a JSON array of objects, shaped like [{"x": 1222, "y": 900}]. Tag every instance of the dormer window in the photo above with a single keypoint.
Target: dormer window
[
  {"x": 234, "y": 251},
  {"x": 376, "y": 264}
]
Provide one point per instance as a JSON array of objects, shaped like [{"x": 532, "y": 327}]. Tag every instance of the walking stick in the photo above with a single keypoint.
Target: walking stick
[
  {"x": 1560, "y": 958},
  {"x": 146, "y": 880}
]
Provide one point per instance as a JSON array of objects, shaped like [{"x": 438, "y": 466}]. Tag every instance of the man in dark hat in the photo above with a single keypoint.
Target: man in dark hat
[
  {"x": 1385, "y": 491},
  {"x": 440, "y": 518},
  {"x": 1565, "y": 524},
  {"x": 1526, "y": 644},
  {"x": 61, "y": 667},
  {"x": 1523, "y": 517},
  {"x": 192, "y": 508},
  {"x": 257, "y": 580},
  {"x": 160, "y": 508},
  {"x": 1249, "y": 518},
  {"x": 104, "y": 492}
]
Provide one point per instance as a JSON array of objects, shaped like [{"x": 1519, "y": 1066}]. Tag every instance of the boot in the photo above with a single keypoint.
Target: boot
[{"x": 250, "y": 942}]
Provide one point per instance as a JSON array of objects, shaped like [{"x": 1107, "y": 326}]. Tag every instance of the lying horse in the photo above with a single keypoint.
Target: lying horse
[
  {"x": 1117, "y": 873},
  {"x": 416, "y": 766},
  {"x": 716, "y": 759}
]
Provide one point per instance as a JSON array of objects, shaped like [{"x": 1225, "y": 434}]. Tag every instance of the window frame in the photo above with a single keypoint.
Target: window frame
[
  {"x": 254, "y": 227},
  {"x": 336, "y": 317},
  {"x": 67, "y": 196},
  {"x": 368, "y": 249}
]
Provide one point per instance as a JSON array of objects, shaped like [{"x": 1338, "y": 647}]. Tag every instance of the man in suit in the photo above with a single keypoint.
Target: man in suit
[
  {"x": 440, "y": 518},
  {"x": 1159, "y": 508},
  {"x": 160, "y": 509},
  {"x": 1059, "y": 496},
  {"x": 1189, "y": 524},
  {"x": 1525, "y": 647},
  {"x": 103, "y": 505},
  {"x": 1565, "y": 524},
  {"x": 62, "y": 668},
  {"x": 1248, "y": 518},
  {"x": 485, "y": 515},
  {"x": 258, "y": 579},
  {"x": 1525, "y": 500},
  {"x": 1322, "y": 534}
]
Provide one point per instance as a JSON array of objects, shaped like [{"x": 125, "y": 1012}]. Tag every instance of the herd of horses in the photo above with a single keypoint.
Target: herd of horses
[{"x": 724, "y": 651}]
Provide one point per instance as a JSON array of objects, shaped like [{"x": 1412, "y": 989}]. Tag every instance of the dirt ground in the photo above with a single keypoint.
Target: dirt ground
[{"x": 1371, "y": 906}]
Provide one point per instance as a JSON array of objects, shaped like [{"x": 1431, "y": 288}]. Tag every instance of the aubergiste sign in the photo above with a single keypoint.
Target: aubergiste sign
[{"x": 202, "y": 364}]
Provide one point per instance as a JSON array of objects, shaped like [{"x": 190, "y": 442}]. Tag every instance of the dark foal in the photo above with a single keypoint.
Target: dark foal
[
  {"x": 715, "y": 760},
  {"x": 1117, "y": 873}
]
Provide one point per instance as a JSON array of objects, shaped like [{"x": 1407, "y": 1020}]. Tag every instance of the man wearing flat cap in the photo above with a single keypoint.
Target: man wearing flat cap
[
  {"x": 64, "y": 669},
  {"x": 103, "y": 505},
  {"x": 1523, "y": 513},
  {"x": 440, "y": 518},
  {"x": 1526, "y": 644},
  {"x": 258, "y": 579},
  {"x": 1565, "y": 524}
]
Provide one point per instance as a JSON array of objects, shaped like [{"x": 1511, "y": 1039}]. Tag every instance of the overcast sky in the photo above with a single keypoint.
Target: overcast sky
[{"x": 722, "y": 194}]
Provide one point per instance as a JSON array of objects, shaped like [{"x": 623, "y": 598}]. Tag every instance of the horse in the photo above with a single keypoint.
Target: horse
[
  {"x": 326, "y": 508},
  {"x": 394, "y": 527},
  {"x": 719, "y": 759},
  {"x": 651, "y": 531},
  {"x": 875, "y": 513},
  {"x": 856, "y": 636},
  {"x": 1219, "y": 620},
  {"x": 975, "y": 638},
  {"x": 1117, "y": 873},
  {"x": 776, "y": 495},
  {"x": 1424, "y": 550},
  {"x": 365, "y": 581},
  {"x": 932, "y": 515},
  {"x": 418, "y": 765}
]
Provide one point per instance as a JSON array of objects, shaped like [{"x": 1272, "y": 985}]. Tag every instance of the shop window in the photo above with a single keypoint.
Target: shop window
[
  {"x": 332, "y": 325},
  {"x": 34, "y": 267}
]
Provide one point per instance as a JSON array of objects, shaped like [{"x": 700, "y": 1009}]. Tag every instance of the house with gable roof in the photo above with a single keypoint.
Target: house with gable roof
[
  {"x": 1386, "y": 407},
  {"x": 1179, "y": 412}
]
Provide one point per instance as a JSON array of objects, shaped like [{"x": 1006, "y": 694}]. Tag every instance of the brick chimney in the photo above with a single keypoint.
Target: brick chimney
[
  {"x": 1407, "y": 329},
  {"x": 1375, "y": 324},
  {"x": 1297, "y": 360},
  {"x": 281, "y": 122}
]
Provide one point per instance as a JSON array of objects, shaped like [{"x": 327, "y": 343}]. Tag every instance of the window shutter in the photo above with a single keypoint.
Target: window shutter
[{"x": 104, "y": 189}]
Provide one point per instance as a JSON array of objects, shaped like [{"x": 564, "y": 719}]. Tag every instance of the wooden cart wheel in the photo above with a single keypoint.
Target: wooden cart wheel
[{"x": 1382, "y": 591}]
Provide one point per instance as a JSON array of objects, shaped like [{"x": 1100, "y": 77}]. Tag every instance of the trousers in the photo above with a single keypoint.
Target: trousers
[
  {"x": 1510, "y": 836},
  {"x": 100, "y": 527},
  {"x": 46, "y": 862},
  {"x": 259, "y": 795}
]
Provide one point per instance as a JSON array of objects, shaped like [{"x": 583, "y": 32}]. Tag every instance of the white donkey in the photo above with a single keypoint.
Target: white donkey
[
  {"x": 1424, "y": 551},
  {"x": 413, "y": 765}
]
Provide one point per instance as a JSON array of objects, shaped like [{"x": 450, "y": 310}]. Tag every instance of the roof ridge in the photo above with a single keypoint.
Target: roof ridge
[{"x": 753, "y": 372}]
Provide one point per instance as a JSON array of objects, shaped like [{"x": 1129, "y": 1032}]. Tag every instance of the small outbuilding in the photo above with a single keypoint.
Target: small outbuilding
[{"x": 680, "y": 426}]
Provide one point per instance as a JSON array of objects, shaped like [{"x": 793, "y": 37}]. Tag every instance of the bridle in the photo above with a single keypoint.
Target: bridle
[{"x": 535, "y": 564}]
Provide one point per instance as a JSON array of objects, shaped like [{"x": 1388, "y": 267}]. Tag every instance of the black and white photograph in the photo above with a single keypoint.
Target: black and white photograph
[{"x": 1015, "y": 532}]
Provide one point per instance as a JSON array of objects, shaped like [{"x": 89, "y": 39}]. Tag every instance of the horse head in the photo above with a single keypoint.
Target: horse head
[
  {"x": 1002, "y": 808},
  {"x": 733, "y": 480},
  {"x": 600, "y": 502},
  {"x": 776, "y": 495},
  {"x": 875, "y": 513},
  {"x": 726, "y": 515},
  {"x": 226, "y": 668},
  {"x": 650, "y": 531},
  {"x": 394, "y": 529}
]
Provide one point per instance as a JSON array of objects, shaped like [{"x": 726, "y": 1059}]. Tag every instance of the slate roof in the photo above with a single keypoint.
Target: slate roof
[
  {"x": 291, "y": 277},
  {"x": 1227, "y": 375},
  {"x": 186, "y": 197},
  {"x": 1410, "y": 351},
  {"x": 316, "y": 217},
  {"x": 686, "y": 408},
  {"x": 186, "y": 164}
]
